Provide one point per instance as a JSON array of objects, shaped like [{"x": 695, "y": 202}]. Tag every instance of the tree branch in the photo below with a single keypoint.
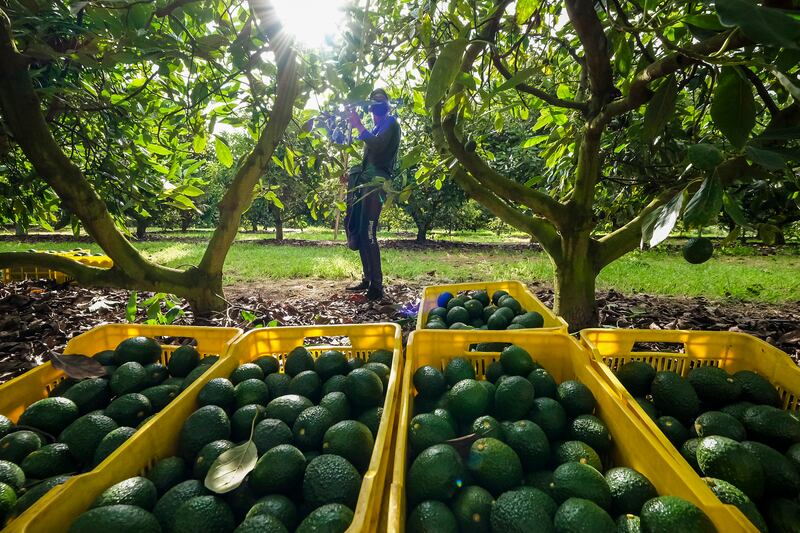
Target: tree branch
[
  {"x": 538, "y": 201},
  {"x": 237, "y": 197},
  {"x": 530, "y": 89},
  {"x": 23, "y": 116},
  {"x": 538, "y": 227},
  {"x": 639, "y": 92},
  {"x": 595, "y": 48},
  {"x": 760, "y": 89}
]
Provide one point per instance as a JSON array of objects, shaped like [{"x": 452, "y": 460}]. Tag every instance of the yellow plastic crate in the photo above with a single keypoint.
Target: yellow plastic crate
[
  {"x": 32, "y": 272},
  {"x": 690, "y": 349},
  {"x": 17, "y": 394},
  {"x": 565, "y": 359},
  {"x": 160, "y": 439},
  {"x": 516, "y": 289}
]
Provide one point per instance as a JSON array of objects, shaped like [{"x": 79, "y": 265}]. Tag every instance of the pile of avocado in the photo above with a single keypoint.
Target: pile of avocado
[
  {"x": 528, "y": 456},
  {"x": 83, "y": 422},
  {"x": 730, "y": 429},
  {"x": 474, "y": 310},
  {"x": 314, "y": 426}
]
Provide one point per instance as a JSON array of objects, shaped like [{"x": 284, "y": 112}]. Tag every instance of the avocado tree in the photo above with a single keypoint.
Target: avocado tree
[
  {"x": 660, "y": 106},
  {"x": 171, "y": 71}
]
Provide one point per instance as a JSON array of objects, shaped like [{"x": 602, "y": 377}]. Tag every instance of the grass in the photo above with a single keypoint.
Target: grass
[{"x": 771, "y": 279}]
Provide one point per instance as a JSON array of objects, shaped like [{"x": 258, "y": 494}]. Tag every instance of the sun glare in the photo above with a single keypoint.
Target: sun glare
[{"x": 311, "y": 22}]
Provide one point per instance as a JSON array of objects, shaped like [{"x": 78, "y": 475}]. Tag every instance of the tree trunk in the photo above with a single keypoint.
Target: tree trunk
[
  {"x": 19, "y": 230},
  {"x": 277, "y": 217},
  {"x": 186, "y": 221},
  {"x": 422, "y": 233},
  {"x": 254, "y": 223},
  {"x": 141, "y": 228},
  {"x": 575, "y": 276}
]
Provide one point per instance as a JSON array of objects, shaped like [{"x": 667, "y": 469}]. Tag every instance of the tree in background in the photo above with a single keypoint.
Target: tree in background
[
  {"x": 701, "y": 96},
  {"x": 171, "y": 71}
]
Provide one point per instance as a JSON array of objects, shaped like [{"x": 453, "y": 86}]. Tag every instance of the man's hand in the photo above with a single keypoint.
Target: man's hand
[{"x": 355, "y": 120}]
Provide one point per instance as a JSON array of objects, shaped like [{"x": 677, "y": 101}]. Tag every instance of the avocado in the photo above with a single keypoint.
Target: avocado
[
  {"x": 671, "y": 513},
  {"x": 434, "y": 474},
  {"x": 372, "y": 419},
  {"x": 337, "y": 404},
  {"x": 219, "y": 392},
  {"x": 279, "y": 470},
  {"x": 429, "y": 382},
  {"x": 206, "y": 457},
  {"x": 432, "y": 516},
  {"x": 576, "y": 398},
  {"x": 278, "y": 506},
  {"x": 12, "y": 475},
  {"x": 516, "y": 361},
  {"x": 298, "y": 360},
  {"x": 17, "y": 446},
  {"x": 674, "y": 396},
  {"x": 89, "y": 394},
  {"x": 244, "y": 420},
  {"x": 714, "y": 386},
  {"x": 458, "y": 368},
  {"x": 672, "y": 428},
  {"x": 592, "y": 431},
  {"x": 629, "y": 490},
  {"x": 513, "y": 398},
  {"x": 578, "y": 480},
  {"x": 636, "y": 377},
  {"x": 781, "y": 477},
  {"x": 268, "y": 364},
  {"x": 278, "y": 384},
  {"x": 141, "y": 350},
  {"x": 364, "y": 388},
  {"x": 113, "y": 440},
  {"x": 689, "y": 452},
  {"x": 330, "y": 517},
  {"x": 427, "y": 429},
  {"x": 289, "y": 407},
  {"x": 156, "y": 374},
  {"x": 333, "y": 362},
  {"x": 160, "y": 396},
  {"x": 543, "y": 383},
  {"x": 48, "y": 461},
  {"x": 138, "y": 491},
  {"x": 719, "y": 423},
  {"x": 578, "y": 514},
  {"x": 529, "y": 442},
  {"x": 194, "y": 375},
  {"x": 245, "y": 372},
  {"x": 251, "y": 391},
  {"x": 772, "y": 426},
  {"x": 334, "y": 384},
  {"x": 471, "y": 508},
  {"x": 50, "y": 415},
  {"x": 129, "y": 377},
  {"x": 756, "y": 389},
  {"x": 263, "y": 523},
  {"x": 85, "y": 434},
  {"x": 129, "y": 409},
  {"x": 729, "y": 494},
  {"x": 182, "y": 361},
  {"x": 519, "y": 510},
  {"x": 204, "y": 513},
  {"x": 307, "y": 384},
  {"x": 269, "y": 433},
  {"x": 331, "y": 479},
  {"x": 494, "y": 465},
  {"x": 116, "y": 518},
  {"x": 468, "y": 399},
  {"x": 726, "y": 459},
  {"x": 207, "y": 424},
  {"x": 310, "y": 427},
  {"x": 648, "y": 407},
  {"x": 782, "y": 515},
  {"x": 352, "y": 440},
  {"x": 549, "y": 415},
  {"x": 169, "y": 503},
  {"x": 35, "y": 492},
  {"x": 167, "y": 473},
  {"x": 576, "y": 451}
]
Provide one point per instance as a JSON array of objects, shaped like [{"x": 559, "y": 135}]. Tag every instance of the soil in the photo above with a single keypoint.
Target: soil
[{"x": 39, "y": 317}]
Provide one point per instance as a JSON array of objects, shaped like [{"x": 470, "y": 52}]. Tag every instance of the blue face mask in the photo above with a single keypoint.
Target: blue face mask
[{"x": 379, "y": 108}]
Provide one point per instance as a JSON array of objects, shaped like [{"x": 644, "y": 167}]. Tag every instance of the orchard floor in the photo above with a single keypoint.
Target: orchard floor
[{"x": 37, "y": 317}]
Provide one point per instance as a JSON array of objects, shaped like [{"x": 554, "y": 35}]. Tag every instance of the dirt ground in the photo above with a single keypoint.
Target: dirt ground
[{"x": 37, "y": 317}]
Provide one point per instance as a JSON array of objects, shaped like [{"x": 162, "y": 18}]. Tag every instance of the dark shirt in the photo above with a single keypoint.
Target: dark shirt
[{"x": 382, "y": 144}]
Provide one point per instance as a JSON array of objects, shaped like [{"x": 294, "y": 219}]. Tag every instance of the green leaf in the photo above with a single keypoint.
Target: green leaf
[
  {"x": 199, "y": 143},
  {"x": 789, "y": 83},
  {"x": 534, "y": 141},
  {"x": 733, "y": 209},
  {"x": 733, "y": 109},
  {"x": 761, "y": 24},
  {"x": 224, "y": 155},
  {"x": 444, "y": 71},
  {"x": 138, "y": 15},
  {"x": 623, "y": 56},
  {"x": 525, "y": 9},
  {"x": 705, "y": 204},
  {"x": 704, "y": 156},
  {"x": 765, "y": 158},
  {"x": 158, "y": 149},
  {"x": 660, "y": 109},
  {"x": 657, "y": 225},
  {"x": 130, "y": 309},
  {"x": 518, "y": 77},
  {"x": 229, "y": 469}
]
